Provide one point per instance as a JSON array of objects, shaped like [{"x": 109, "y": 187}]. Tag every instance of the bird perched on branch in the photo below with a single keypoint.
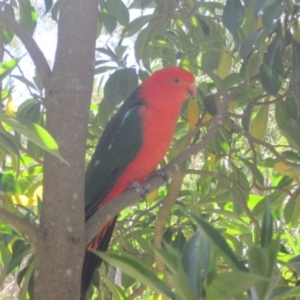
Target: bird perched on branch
[{"x": 132, "y": 145}]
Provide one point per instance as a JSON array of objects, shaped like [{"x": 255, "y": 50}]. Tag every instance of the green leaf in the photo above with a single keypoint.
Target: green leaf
[
  {"x": 182, "y": 286},
  {"x": 25, "y": 81},
  {"x": 258, "y": 5},
  {"x": 136, "y": 269},
  {"x": 170, "y": 257},
  {"x": 227, "y": 285},
  {"x": 8, "y": 144},
  {"x": 288, "y": 127},
  {"x": 120, "y": 85},
  {"x": 7, "y": 67},
  {"x": 296, "y": 75},
  {"x": 285, "y": 292},
  {"x": 271, "y": 69},
  {"x": 233, "y": 15},
  {"x": 109, "y": 21},
  {"x": 28, "y": 16},
  {"x": 9, "y": 185},
  {"x": 116, "y": 291},
  {"x": 8, "y": 34},
  {"x": 118, "y": 9},
  {"x": 253, "y": 42},
  {"x": 219, "y": 242},
  {"x": 33, "y": 132},
  {"x": 210, "y": 104},
  {"x": 291, "y": 212},
  {"x": 267, "y": 227},
  {"x": 136, "y": 25},
  {"x": 191, "y": 260},
  {"x": 271, "y": 13}
]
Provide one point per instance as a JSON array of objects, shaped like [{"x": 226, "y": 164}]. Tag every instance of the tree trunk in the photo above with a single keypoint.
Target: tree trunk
[{"x": 60, "y": 249}]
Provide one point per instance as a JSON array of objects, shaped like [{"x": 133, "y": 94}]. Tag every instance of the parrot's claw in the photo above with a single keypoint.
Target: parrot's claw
[
  {"x": 140, "y": 188},
  {"x": 161, "y": 173}
]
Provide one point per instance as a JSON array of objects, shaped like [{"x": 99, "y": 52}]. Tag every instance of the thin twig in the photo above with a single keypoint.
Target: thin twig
[
  {"x": 31, "y": 46},
  {"x": 268, "y": 146},
  {"x": 20, "y": 224},
  {"x": 139, "y": 291}
]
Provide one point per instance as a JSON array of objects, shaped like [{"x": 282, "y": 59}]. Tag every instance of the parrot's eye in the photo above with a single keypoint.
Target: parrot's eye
[{"x": 176, "y": 80}]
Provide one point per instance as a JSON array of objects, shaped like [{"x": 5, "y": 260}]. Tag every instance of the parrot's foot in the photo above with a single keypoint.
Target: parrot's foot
[
  {"x": 140, "y": 188},
  {"x": 162, "y": 173}
]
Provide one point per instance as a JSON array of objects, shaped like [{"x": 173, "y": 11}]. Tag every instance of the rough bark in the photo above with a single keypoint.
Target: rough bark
[{"x": 60, "y": 249}]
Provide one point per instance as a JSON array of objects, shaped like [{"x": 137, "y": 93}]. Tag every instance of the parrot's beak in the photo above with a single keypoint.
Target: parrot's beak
[{"x": 192, "y": 89}]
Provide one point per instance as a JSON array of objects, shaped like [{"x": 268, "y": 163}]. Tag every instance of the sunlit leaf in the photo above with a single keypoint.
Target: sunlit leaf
[
  {"x": 7, "y": 67},
  {"x": 33, "y": 132},
  {"x": 28, "y": 16},
  {"x": 229, "y": 284}
]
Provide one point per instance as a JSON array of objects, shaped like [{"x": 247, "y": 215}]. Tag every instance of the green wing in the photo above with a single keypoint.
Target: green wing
[{"x": 119, "y": 144}]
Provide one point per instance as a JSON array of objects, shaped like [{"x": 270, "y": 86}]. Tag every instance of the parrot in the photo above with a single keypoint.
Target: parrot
[{"x": 131, "y": 147}]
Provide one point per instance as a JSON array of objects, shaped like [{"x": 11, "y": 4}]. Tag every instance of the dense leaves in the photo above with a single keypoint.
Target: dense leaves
[{"x": 233, "y": 230}]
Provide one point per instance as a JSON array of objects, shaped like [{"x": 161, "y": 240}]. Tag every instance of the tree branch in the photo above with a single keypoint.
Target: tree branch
[
  {"x": 20, "y": 224},
  {"x": 268, "y": 146},
  {"x": 31, "y": 46},
  {"x": 163, "y": 215}
]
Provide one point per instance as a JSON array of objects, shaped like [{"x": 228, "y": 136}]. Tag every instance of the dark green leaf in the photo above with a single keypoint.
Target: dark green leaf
[
  {"x": 191, "y": 259},
  {"x": 258, "y": 6},
  {"x": 136, "y": 269},
  {"x": 118, "y": 9},
  {"x": 120, "y": 85},
  {"x": 267, "y": 227},
  {"x": 271, "y": 69},
  {"x": 285, "y": 292},
  {"x": 271, "y": 13},
  {"x": 8, "y": 144},
  {"x": 259, "y": 264},
  {"x": 296, "y": 75},
  {"x": 233, "y": 15},
  {"x": 9, "y": 185},
  {"x": 288, "y": 127},
  {"x": 219, "y": 242},
  {"x": 109, "y": 21},
  {"x": 253, "y": 42}
]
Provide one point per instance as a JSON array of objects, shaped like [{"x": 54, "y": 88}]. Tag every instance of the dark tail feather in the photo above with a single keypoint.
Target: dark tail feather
[{"x": 92, "y": 261}]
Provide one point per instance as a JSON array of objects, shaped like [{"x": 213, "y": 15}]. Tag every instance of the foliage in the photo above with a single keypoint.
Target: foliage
[{"x": 232, "y": 232}]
